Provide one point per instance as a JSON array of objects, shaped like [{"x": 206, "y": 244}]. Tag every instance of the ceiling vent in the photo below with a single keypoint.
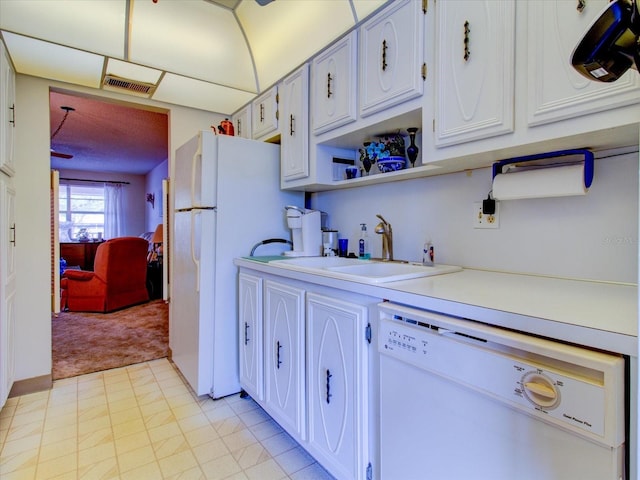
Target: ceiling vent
[{"x": 133, "y": 87}]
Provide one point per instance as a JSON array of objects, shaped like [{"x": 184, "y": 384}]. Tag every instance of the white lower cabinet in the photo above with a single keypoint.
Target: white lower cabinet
[
  {"x": 284, "y": 355},
  {"x": 337, "y": 385},
  {"x": 250, "y": 335},
  {"x": 7, "y": 286},
  {"x": 305, "y": 357}
]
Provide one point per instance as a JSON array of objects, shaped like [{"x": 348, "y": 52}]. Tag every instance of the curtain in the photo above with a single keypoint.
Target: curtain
[{"x": 114, "y": 213}]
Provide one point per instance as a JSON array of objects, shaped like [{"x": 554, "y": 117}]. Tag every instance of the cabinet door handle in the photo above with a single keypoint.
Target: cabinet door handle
[
  {"x": 329, "y": 386},
  {"x": 13, "y": 115},
  {"x": 278, "y": 361},
  {"x": 291, "y": 130},
  {"x": 261, "y": 112},
  {"x": 329, "y": 85},
  {"x": 239, "y": 128},
  {"x": 13, "y": 234},
  {"x": 246, "y": 333},
  {"x": 581, "y": 5},
  {"x": 384, "y": 55},
  {"x": 467, "y": 52}
]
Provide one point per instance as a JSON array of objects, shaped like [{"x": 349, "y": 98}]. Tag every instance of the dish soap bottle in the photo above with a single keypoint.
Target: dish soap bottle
[
  {"x": 428, "y": 253},
  {"x": 363, "y": 243}
]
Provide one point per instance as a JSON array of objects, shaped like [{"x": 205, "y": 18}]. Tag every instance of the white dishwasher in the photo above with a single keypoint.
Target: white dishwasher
[{"x": 464, "y": 400}]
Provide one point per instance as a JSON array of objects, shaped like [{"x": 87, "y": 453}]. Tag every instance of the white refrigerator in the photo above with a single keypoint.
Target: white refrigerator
[{"x": 227, "y": 198}]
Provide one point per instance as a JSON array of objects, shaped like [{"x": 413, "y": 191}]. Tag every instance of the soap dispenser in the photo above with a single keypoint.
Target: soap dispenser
[
  {"x": 363, "y": 243},
  {"x": 428, "y": 253}
]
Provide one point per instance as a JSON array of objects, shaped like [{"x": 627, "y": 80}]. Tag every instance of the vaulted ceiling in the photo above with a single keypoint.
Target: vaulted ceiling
[{"x": 215, "y": 55}]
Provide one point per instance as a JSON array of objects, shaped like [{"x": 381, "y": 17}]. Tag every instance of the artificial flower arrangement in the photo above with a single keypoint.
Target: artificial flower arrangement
[{"x": 389, "y": 145}]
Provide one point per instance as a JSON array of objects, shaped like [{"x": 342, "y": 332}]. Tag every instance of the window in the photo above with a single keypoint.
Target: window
[{"x": 81, "y": 213}]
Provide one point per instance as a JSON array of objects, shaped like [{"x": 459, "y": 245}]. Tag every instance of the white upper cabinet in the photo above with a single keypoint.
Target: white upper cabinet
[
  {"x": 265, "y": 114},
  {"x": 392, "y": 56},
  {"x": 474, "y": 69},
  {"x": 7, "y": 113},
  {"x": 333, "y": 85},
  {"x": 294, "y": 139},
  {"x": 555, "y": 90},
  {"x": 242, "y": 122}
]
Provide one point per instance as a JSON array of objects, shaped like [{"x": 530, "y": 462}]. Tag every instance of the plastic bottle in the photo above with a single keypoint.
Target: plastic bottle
[
  {"x": 363, "y": 243},
  {"x": 428, "y": 253}
]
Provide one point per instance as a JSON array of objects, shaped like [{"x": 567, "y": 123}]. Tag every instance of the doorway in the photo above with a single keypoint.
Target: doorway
[{"x": 97, "y": 141}]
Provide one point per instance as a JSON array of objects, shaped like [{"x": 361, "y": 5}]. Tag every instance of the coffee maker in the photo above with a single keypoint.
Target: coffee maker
[{"x": 306, "y": 231}]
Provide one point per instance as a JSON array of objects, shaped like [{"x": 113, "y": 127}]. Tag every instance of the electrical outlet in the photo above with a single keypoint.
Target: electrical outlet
[{"x": 480, "y": 220}]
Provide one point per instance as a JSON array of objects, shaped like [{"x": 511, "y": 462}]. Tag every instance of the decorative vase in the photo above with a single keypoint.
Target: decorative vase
[
  {"x": 364, "y": 158},
  {"x": 412, "y": 149}
]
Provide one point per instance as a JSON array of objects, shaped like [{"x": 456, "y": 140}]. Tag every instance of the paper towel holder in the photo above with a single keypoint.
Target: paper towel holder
[{"x": 588, "y": 162}]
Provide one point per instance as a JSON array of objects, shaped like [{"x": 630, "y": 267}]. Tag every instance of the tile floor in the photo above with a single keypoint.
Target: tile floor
[{"x": 143, "y": 422}]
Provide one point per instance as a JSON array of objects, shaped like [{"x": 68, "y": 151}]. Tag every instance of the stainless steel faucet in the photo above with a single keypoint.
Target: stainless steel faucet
[{"x": 384, "y": 229}]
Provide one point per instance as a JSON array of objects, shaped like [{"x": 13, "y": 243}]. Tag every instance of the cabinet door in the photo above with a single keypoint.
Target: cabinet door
[
  {"x": 294, "y": 139},
  {"x": 474, "y": 70},
  {"x": 284, "y": 356},
  {"x": 7, "y": 287},
  {"x": 555, "y": 90},
  {"x": 391, "y": 57},
  {"x": 333, "y": 85},
  {"x": 250, "y": 335},
  {"x": 242, "y": 122},
  {"x": 7, "y": 113},
  {"x": 337, "y": 385},
  {"x": 264, "y": 117}
]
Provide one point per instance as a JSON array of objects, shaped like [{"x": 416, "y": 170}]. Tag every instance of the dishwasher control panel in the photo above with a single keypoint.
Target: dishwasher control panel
[{"x": 572, "y": 395}]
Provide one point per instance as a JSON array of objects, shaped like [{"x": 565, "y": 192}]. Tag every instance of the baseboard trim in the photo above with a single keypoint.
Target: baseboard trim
[{"x": 31, "y": 385}]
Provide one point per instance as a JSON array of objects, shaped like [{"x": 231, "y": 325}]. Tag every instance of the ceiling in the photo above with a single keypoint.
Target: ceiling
[
  {"x": 106, "y": 136},
  {"x": 211, "y": 55}
]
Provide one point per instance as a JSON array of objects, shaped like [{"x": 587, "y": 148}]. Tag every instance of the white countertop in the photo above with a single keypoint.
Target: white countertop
[{"x": 594, "y": 314}]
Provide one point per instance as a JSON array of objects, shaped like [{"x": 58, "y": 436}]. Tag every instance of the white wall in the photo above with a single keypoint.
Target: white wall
[
  {"x": 153, "y": 184},
  {"x": 589, "y": 237},
  {"x": 133, "y": 196},
  {"x": 32, "y": 158}
]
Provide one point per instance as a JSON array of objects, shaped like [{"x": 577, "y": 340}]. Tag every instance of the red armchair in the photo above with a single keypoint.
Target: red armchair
[{"x": 118, "y": 280}]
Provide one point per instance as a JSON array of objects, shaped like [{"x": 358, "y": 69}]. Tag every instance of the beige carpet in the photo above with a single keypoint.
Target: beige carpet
[{"x": 91, "y": 342}]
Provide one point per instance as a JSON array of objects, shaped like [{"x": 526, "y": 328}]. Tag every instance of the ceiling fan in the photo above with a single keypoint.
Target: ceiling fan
[{"x": 66, "y": 114}]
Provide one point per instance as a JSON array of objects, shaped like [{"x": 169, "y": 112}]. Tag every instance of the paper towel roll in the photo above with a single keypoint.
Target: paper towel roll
[{"x": 540, "y": 183}]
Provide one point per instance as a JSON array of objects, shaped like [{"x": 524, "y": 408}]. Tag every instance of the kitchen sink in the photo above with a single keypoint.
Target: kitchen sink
[{"x": 364, "y": 271}]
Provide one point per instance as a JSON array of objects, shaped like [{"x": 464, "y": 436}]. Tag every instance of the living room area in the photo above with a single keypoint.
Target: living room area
[{"x": 109, "y": 169}]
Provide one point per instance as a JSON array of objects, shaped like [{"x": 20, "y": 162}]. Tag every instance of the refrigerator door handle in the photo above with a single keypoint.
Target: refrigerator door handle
[
  {"x": 194, "y": 259},
  {"x": 197, "y": 157}
]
